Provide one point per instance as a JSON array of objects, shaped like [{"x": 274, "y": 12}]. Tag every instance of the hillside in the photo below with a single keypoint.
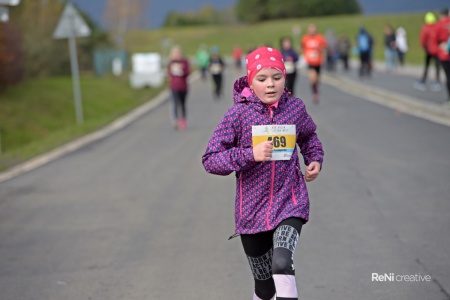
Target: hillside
[
  {"x": 158, "y": 10},
  {"x": 226, "y": 37}
]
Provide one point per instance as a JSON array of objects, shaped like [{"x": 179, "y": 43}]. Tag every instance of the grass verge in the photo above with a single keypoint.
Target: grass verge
[{"x": 39, "y": 114}]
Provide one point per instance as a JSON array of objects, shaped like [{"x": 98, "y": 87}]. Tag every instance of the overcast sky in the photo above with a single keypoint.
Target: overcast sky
[{"x": 159, "y": 8}]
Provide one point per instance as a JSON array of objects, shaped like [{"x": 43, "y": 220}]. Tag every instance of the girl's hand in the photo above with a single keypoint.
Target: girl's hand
[
  {"x": 263, "y": 151},
  {"x": 312, "y": 171}
]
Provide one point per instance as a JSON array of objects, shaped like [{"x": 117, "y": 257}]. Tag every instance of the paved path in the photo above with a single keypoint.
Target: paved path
[
  {"x": 134, "y": 216},
  {"x": 401, "y": 81}
]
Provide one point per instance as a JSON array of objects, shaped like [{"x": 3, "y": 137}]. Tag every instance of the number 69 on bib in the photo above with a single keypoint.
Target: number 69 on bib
[{"x": 282, "y": 136}]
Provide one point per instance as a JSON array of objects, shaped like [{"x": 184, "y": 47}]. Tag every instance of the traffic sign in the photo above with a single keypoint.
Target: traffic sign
[
  {"x": 71, "y": 24},
  {"x": 9, "y": 2},
  {"x": 4, "y": 14}
]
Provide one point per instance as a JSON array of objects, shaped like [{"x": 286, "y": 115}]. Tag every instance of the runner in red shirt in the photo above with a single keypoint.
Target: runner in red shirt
[{"x": 313, "y": 48}]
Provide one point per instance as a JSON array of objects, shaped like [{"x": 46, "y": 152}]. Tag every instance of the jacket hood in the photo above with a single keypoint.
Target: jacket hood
[{"x": 242, "y": 93}]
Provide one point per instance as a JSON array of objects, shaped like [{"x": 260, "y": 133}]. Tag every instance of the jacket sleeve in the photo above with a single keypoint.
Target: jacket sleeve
[
  {"x": 423, "y": 37},
  {"x": 307, "y": 140},
  {"x": 441, "y": 32},
  {"x": 222, "y": 156},
  {"x": 295, "y": 55},
  {"x": 187, "y": 70}
]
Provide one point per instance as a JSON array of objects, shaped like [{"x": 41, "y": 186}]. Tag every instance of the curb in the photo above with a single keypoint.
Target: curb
[
  {"x": 398, "y": 102},
  {"x": 78, "y": 143}
]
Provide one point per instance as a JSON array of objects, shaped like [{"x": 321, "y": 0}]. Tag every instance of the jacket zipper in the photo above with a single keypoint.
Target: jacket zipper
[
  {"x": 240, "y": 195},
  {"x": 272, "y": 178},
  {"x": 293, "y": 194}
]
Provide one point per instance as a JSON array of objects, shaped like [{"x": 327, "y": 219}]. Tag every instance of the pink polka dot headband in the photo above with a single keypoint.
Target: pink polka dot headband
[{"x": 262, "y": 58}]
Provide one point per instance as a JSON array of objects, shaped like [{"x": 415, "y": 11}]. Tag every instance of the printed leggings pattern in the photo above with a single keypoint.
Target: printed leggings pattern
[{"x": 271, "y": 258}]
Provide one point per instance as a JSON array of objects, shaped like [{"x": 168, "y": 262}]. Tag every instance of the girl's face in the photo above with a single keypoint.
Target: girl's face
[
  {"x": 176, "y": 54},
  {"x": 286, "y": 44},
  {"x": 268, "y": 85}
]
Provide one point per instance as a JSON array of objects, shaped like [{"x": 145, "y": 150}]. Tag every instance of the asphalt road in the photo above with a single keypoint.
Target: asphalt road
[
  {"x": 399, "y": 82},
  {"x": 135, "y": 216}
]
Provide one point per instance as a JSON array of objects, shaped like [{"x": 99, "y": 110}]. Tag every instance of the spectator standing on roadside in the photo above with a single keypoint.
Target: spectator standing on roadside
[
  {"x": 364, "y": 46},
  {"x": 401, "y": 42},
  {"x": 429, "y": 45},
  {"x": 344, "y": 47},
  {"x": 332, "y": 49},
  {"x": 440, "y": 39},
  {"x": 390, "y": 48}
]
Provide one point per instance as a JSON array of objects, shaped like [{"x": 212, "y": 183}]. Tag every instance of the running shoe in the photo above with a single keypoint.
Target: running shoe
[
  {"x": 435, "y": 87},
  {"x": 420, "y": 86},
  {"x": 316, "y": 98},
  {"x": 182, "y": 125}
]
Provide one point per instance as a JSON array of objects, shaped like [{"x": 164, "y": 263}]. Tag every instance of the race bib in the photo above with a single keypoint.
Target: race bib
[
  {"x": 216, "y": 68},
  {"x": 313, "y": 54},
  {"x": 290, "y": 67},
  {"x": 176, "y": 69},
  {"x": 282, "y": 136}
]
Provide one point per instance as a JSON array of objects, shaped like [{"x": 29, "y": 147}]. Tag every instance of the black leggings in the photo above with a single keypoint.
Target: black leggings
[
  {"x": 365, "y": 67},
  {"x": 290, "y": 82},
  {"x": 217, "y": 84},
  {"x": 446, "y": 66},
  {"x": 271, "y": 258},
  {"x": 179, "y": 99},
  {"x": 428, "y": 58}
]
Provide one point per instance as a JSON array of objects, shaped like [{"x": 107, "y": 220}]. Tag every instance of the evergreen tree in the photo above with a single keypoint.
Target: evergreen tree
[{"x": 260, "y": 10}]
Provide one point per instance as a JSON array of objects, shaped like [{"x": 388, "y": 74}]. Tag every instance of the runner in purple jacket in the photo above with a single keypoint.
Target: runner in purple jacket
[{"x": 272, "y": 200}]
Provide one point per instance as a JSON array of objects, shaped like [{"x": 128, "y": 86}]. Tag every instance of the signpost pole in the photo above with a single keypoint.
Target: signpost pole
[
  {"x": 1, "y": 148},
  {"x": 70, "y": 26},
  {"x": 75, "y": 76}
]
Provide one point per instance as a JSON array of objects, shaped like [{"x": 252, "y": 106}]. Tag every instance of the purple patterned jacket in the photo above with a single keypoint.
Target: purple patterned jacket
[{"x": 266, "y": 192}]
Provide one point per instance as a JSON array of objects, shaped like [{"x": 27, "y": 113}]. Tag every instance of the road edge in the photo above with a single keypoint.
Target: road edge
[{"x": 398, "y": 102}]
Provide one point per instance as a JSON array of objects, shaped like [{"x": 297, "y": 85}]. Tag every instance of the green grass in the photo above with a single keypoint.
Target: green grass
[
  {"x": 225, "y": 37},
  {"x": 39, "y": 114}
]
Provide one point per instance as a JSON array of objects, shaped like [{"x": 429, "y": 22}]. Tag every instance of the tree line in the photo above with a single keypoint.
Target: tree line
[
  {"x": 207, "y": 15},
  {"x": 261, "y": 10},
  {"x": 251, "y": 11}
]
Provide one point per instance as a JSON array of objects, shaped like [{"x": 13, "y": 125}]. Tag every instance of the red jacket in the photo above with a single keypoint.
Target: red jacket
[
  {"x": 178, "y": 71},
  {"x": 428, "y": 38},
  {"x": 442, "y": 33}
]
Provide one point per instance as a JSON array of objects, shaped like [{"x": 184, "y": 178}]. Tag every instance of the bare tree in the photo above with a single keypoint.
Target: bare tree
[
  {"x": 37, "y": 21},
  {"x": 122, "y": 16},
  {"x": 11, "y": 55}
]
